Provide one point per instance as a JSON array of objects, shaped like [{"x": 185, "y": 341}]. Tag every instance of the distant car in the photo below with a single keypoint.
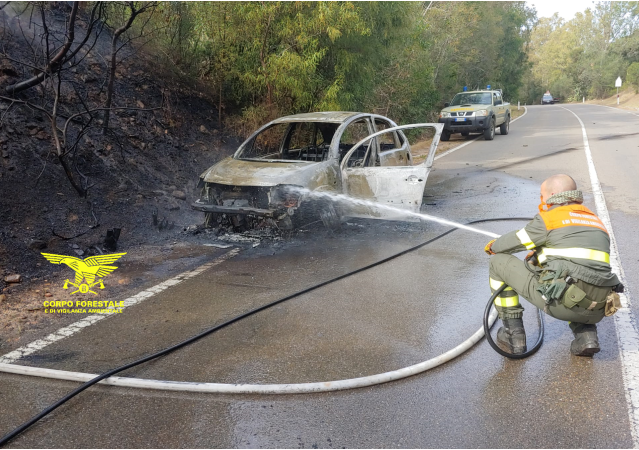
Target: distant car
[
  {"x": 556, "y": 99},
  {"x": 268, "y": 179},
  {"x": 547, "y": 99}
]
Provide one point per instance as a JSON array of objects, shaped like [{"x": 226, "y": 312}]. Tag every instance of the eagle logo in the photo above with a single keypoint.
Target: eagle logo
[{"x": 87, "y": 269}]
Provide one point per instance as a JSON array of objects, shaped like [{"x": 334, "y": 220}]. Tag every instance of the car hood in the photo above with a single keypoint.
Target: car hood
[
  {"x": 465, "y": 107},
  {"x": 238, "y": 172}
]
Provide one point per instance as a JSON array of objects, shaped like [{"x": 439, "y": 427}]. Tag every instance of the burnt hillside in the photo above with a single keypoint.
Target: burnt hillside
[{"x": 147, "y": 162}]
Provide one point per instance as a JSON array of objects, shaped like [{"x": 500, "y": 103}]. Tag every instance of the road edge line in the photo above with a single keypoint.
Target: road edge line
[
  {"x": 70, "y": 330},
  {"x": 448, "y": 152},
  {"x": 611, "y": 107},
  {"x": 627, "y": 335}
]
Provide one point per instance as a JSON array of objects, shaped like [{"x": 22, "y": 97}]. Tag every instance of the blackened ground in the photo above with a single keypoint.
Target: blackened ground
[{"x": 148, "y": 166}]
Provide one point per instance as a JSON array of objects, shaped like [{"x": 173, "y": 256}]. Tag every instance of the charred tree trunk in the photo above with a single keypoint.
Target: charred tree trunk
[
  {"x": 113, "y": 60},
  {"x": 112, "y": 64}
]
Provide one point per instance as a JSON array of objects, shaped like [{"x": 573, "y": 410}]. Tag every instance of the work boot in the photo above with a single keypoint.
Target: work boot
[
  {"x": 513, "y": 336},
  {"x": 586, "y": 342}
]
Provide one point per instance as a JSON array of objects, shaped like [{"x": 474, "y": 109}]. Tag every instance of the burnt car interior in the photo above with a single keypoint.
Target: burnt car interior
[
  {"x": 310, "y": 142},
  {"x": 297, "y": 141}
]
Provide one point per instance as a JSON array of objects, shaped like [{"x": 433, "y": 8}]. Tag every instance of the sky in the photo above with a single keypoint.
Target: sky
[{"x": 565, "y": 8}]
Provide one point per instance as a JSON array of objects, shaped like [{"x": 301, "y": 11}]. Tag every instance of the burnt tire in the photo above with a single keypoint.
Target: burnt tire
[
  {"x": 329, "y": 216},
  {"x": 445, "y": 136},
  {"x": 489, "y": 133},
  {"x": 211, "y": 220},
  {"x": 504, "y": 128}
]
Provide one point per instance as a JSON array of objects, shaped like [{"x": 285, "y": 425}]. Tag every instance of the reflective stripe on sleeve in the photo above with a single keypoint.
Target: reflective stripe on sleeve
[
  {"x": 582, "y": 253},
  {"x": 525, "y": 239}
]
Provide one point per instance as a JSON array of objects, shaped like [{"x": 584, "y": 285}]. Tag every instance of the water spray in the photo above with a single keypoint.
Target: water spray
[{"x": 342, "y": 198}]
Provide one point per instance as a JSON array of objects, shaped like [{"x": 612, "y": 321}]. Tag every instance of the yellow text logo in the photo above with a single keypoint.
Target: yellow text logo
[{"x": 88, "y": 272}]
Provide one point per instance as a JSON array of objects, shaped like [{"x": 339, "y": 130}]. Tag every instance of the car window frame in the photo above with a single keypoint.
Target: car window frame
[{"x": 286, "y": 136}]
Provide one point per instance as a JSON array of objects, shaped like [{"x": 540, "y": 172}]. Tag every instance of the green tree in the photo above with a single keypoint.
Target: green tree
[{"x": 632, "y": 76}]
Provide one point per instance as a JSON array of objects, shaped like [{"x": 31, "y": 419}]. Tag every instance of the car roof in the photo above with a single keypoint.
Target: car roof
[
  {"x": 326, "y": 116},
  {"x": 477, "y": 92}
]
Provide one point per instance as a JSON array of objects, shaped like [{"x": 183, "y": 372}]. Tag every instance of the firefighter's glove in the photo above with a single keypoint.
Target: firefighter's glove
[
  {"x": 552, "y": 286},
  {"x": 489, "y": 247},
  {"x": 531, "y": 258}
]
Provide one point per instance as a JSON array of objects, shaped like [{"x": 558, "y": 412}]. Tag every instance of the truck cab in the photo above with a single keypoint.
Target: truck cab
[{"x": 475, "y": 112}]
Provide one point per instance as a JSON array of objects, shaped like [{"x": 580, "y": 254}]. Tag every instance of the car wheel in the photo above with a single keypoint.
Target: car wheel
[
  {"x": 211, "y": 220},
  {"x": 329, "y": 216},
  {"x": 504, "y": 128},
  {"x": 445, "y": 135},
  {"x": 465, "y": 133},
  {"x": 489, "y": 133}
]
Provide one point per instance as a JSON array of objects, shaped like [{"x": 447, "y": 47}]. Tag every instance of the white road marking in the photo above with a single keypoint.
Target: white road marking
[
  {"x": 454, "y": 149},
  {"x": 627, "y": 334},
  {"x": 90, "y": 320},
  {"x": 611, "y": 107}
]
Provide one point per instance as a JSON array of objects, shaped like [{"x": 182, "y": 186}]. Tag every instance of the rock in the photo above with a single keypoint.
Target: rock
[
  {"x": 75, "y": 246},
  {"x": 179, "y": 195},
  {"x": 140, "y": 104},
  {"x": 5, "y": 153},
  {"x": 78, "y": 252},
  {"x": 172, "y": 188},
  {"x": 173, "y": 206},
  {"x": 42, "y": 135},
  {"x": 15, "y": 278},
  {"x": 37, "y": 244},
  {"x": 48, "y": 294},
  {"x": 2, "y": 298},
  {"x": 33, "y": 131},
  {"x": 203, "y": 129}
]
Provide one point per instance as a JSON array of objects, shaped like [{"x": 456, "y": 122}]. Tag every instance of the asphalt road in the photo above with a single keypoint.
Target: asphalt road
[{"x": 397, "y": 314}]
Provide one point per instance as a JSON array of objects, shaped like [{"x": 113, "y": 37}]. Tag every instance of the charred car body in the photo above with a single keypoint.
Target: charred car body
[{"x": 269, "y": 178}]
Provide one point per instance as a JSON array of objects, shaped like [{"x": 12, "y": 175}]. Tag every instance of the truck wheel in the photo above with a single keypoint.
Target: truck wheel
[
  {"x": 505, "y": 127},
  {"x": 489, "y": 133},
  {"x": 445, "y": 135}
]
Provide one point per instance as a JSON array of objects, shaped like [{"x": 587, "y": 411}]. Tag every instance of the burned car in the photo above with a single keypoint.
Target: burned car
[{"x": 271, "y": 178}]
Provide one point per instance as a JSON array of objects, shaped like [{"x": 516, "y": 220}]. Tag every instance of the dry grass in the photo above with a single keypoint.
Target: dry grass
[{"x": 628, "y": 99}]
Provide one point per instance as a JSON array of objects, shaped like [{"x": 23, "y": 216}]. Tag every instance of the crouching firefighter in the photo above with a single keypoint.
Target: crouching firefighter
[{"x": 567, "y": 274}]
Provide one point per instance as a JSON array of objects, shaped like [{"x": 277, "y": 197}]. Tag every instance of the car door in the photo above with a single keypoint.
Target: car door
[
  {"x": 501, "y": 109},
  {"x": 393, "y": 148},
  {"x": 389, "y": 189}
]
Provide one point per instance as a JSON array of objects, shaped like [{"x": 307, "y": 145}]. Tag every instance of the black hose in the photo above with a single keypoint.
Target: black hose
[
  {"x": 489, "y": 338},
  {"x": 166, "y": 351}
]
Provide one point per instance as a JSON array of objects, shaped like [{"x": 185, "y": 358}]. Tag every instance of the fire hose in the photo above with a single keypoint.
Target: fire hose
[{"x": 107, "y": 377}]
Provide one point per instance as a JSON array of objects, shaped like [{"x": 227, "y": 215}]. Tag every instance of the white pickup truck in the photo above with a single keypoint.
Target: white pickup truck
[{"x": 475, "y": 112}]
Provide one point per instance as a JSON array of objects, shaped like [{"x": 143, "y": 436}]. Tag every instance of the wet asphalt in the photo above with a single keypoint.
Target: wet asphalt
[{"x": 397, "y": 314}]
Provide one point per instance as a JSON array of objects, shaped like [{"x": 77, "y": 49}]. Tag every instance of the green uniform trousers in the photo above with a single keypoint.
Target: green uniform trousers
[{"x": 512, "y": 271}]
